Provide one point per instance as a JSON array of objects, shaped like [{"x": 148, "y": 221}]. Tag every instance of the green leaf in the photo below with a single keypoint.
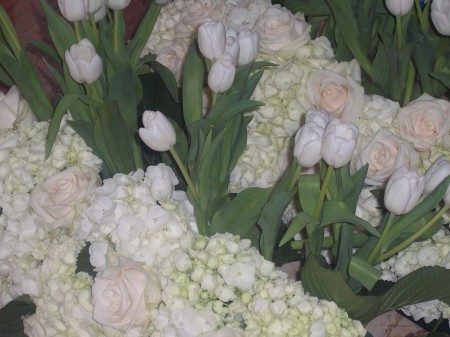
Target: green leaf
[
  {"x": 219, "y": 116},
  {"x": 300, "y": 222},
  {"x": 308, "y": 191},
  {"x": 363, "y": 272},
  {"x": 240, "y": 215},
  {"x": 61, "y": 32},
  {"x": 337, "y": 211},
  {"x": 329, "y": 285},
  {"x": 11, "y": 324},
  {"x": 423, "y": 284},
  {"x": 83, "y": 262},
  {"x": 168, "y": 79},
  {"x": 193, "y": 85}
]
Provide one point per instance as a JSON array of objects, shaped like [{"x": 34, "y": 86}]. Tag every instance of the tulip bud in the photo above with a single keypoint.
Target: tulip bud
[
  {"x": 320, "y": 117},
  {"x": 339, "y": 142},
  {"x": 97, "y": 8},
  {"x": 436, "y": 173},
  {"x": 249, "y": 43},
  {"x": 83, "y": 62},
  {"x": 403, "y": 190},
  {"x": 399, "y": 7},
  {"x": 232, "y": 45},
  {"x": 73, "y": 10},
  {"x": 117, "y": 5},
  {"x": 211, "y": 39},
  {"x": 440, "y": 15},
  {"x": 221, "y": 74},
  {"x": 308, "y": 144},
  {"x": 157, "y": 133}
]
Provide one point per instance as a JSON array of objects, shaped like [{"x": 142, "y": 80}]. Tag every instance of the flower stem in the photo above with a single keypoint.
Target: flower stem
[
  {"x": 184, "y": 172},
  {"x": 294, "y": 180},
  {"x": 77, "y": 30},
  {"x": 116, "y": 32},
  {"x": 398, "y": 24},
  {"x": 415, "y": 236},
  {"x": 323, "y": 190},
  {"x": 94, "y": 29},
  {"x": 383, "y": 236},
  {"x": 409, "y": 83}
]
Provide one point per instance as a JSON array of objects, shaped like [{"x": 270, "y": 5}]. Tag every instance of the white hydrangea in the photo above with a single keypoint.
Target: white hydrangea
[
  {"x": 23, "y": 166},
  {"x": 432, "y": 252}
]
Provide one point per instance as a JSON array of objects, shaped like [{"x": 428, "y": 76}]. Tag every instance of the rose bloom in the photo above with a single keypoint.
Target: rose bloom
[
  {"x": 341, "y": 97},
  {"x": 56, "y": 199},
  {"x": 121, "y": 295},
  {"x": 424, "y": 122},
  {"x": 385, "y": 153},
  {"x": 278, "y": 28},
  {"x": 172, "y": 56}
]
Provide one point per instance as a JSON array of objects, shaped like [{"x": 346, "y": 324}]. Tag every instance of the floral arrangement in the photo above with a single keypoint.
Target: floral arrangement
[{"x": 276, "y": 147}]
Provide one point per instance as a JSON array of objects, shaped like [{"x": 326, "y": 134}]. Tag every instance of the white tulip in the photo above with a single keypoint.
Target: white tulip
[
  {"x": 437, "y": 172},
  {"x": 73, "y": 10},
  {"x": 440, "y": 15},
  {"x": 221, "y": 74},
  {"x": 232, "y": 46},
  {"x": 403, "y": 190},
  {"x": 211, "y": 39},
  {"x": 117, "y": 5},
  {"x": 97, "y": 8},
  {"x": 9, "y": 107},
  {"x": 339, "y": 142},
  {"x": 249, "y": 43},
  {"x": 308, "y": 144},
  {"x": 157, "y": 133},
  {"x": 318, "y": 116},
  {"x": 399, "y": 7},
  {"x": 83, "y": 62}
]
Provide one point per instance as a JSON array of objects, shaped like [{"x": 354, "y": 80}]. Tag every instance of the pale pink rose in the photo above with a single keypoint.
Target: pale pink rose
[
  {"x": 123, "y": 295},
  {"x": 55, "y": 200},
  {"x": 424, "y": 121},
  {"x": 278, "y": 29},
  {"x": 385, "y": 153},
  {"x": 341, "y": 97}
]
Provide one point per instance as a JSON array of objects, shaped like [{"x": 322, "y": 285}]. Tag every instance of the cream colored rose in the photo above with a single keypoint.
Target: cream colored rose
[
  {"x": 172, "y": 57},
  {"x": 279, "y": 29},
  {"x": 340, "y": 96},
  {"x": 13, "y": 109},
  {"x": 123, "y": 295},
  {"x": 385, "y": 153},
  {"x": 55, "y": 200},
  {"x": 424, "y": 121}
]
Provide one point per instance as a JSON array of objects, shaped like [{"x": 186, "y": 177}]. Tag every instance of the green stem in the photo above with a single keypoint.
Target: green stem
[
  {"x": 415, "y": 236},
  {"x": 184, "y": 172},
  {"x": 116, "y": 32},
  {"x": 420, "y": 16},
  {"x": 398, "y": 24},
  {"x": 17, "y": 47},
  {"x": 94, "y": 30},
  {"x": 77, "y": 30},
  {"x": 383, "y": 236},
  {"x": 294, "y": 180},
  {"x": 323, "y": 190},
  {"x": 328, "y": 241},
  {"x": 409, "y": 83}
]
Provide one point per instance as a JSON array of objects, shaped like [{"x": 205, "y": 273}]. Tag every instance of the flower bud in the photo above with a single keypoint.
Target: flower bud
[
  {"x": 437, "y": 172},
  {"x": 399, "y": 7},
  {"x": 319, "y": 116},
  {"x": 232, "y": 46},
  {"x": 83, "y": 62},
  {"x": 221, "y": 74},
  {"x": 158, "y": 133},
  {"x": 249, "y": 43},
  {"x": 403, "y": 190},
  {"x": 440, "y": 15},
  {"x": 308, "y": 144},
  {"x": 339, "y": 142},
  {"x": 117, "y": 5},
  {"x": 73, "y": 10},
  {"x": 97, "y": 8},
  {"x": 211, "y": 39}
]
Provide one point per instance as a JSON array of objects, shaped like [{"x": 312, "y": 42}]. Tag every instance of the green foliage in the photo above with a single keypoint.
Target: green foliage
[{"x": 11, "y": 324}]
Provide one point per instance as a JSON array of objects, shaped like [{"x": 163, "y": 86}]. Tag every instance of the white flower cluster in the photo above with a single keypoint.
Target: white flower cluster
[
  {"x": 30, "y": 186},
  {"x": 432, "y": 252}
]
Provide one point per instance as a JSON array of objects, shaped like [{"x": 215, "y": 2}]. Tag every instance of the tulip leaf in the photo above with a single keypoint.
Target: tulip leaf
[
  {"x": 240, "y": 215},
  {"x": 422, "y": 285},
  {"x": 114, "y": 59},
  {"x": 270, "y": 218},
  {"x": 220, "y": 115},
  {"x": 309, "y": 190},
  {"x": 193, "y": 85},
  {"x": 168, "y": 79},
  {"x": 11, "y": 316},
  {"x": 363, "y": 272},
  {"x": 443, "y": 77},
  {"x": 300, "y": 222},
  {"x": 61, "y": 32},
  {"x": 326, "y": 284},
  {"x": 337, "y": 211}
]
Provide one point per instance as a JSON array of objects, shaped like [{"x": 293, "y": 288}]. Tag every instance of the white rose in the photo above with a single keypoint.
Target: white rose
[
  {"x": 385, "y": 153},
  {"x": 161, "y": 181},
  {"x": 121, "y": 295},
  {"x": 56, "y": 199},
  {"x": 9, "y": 108},
  {"x": 192, "y": 17},
  {"x": 172, "y": 57},
  {"x": 340, "y": 96},
  {"x": 424, "y": 121},
  {"x": 279, "y": 30}
]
